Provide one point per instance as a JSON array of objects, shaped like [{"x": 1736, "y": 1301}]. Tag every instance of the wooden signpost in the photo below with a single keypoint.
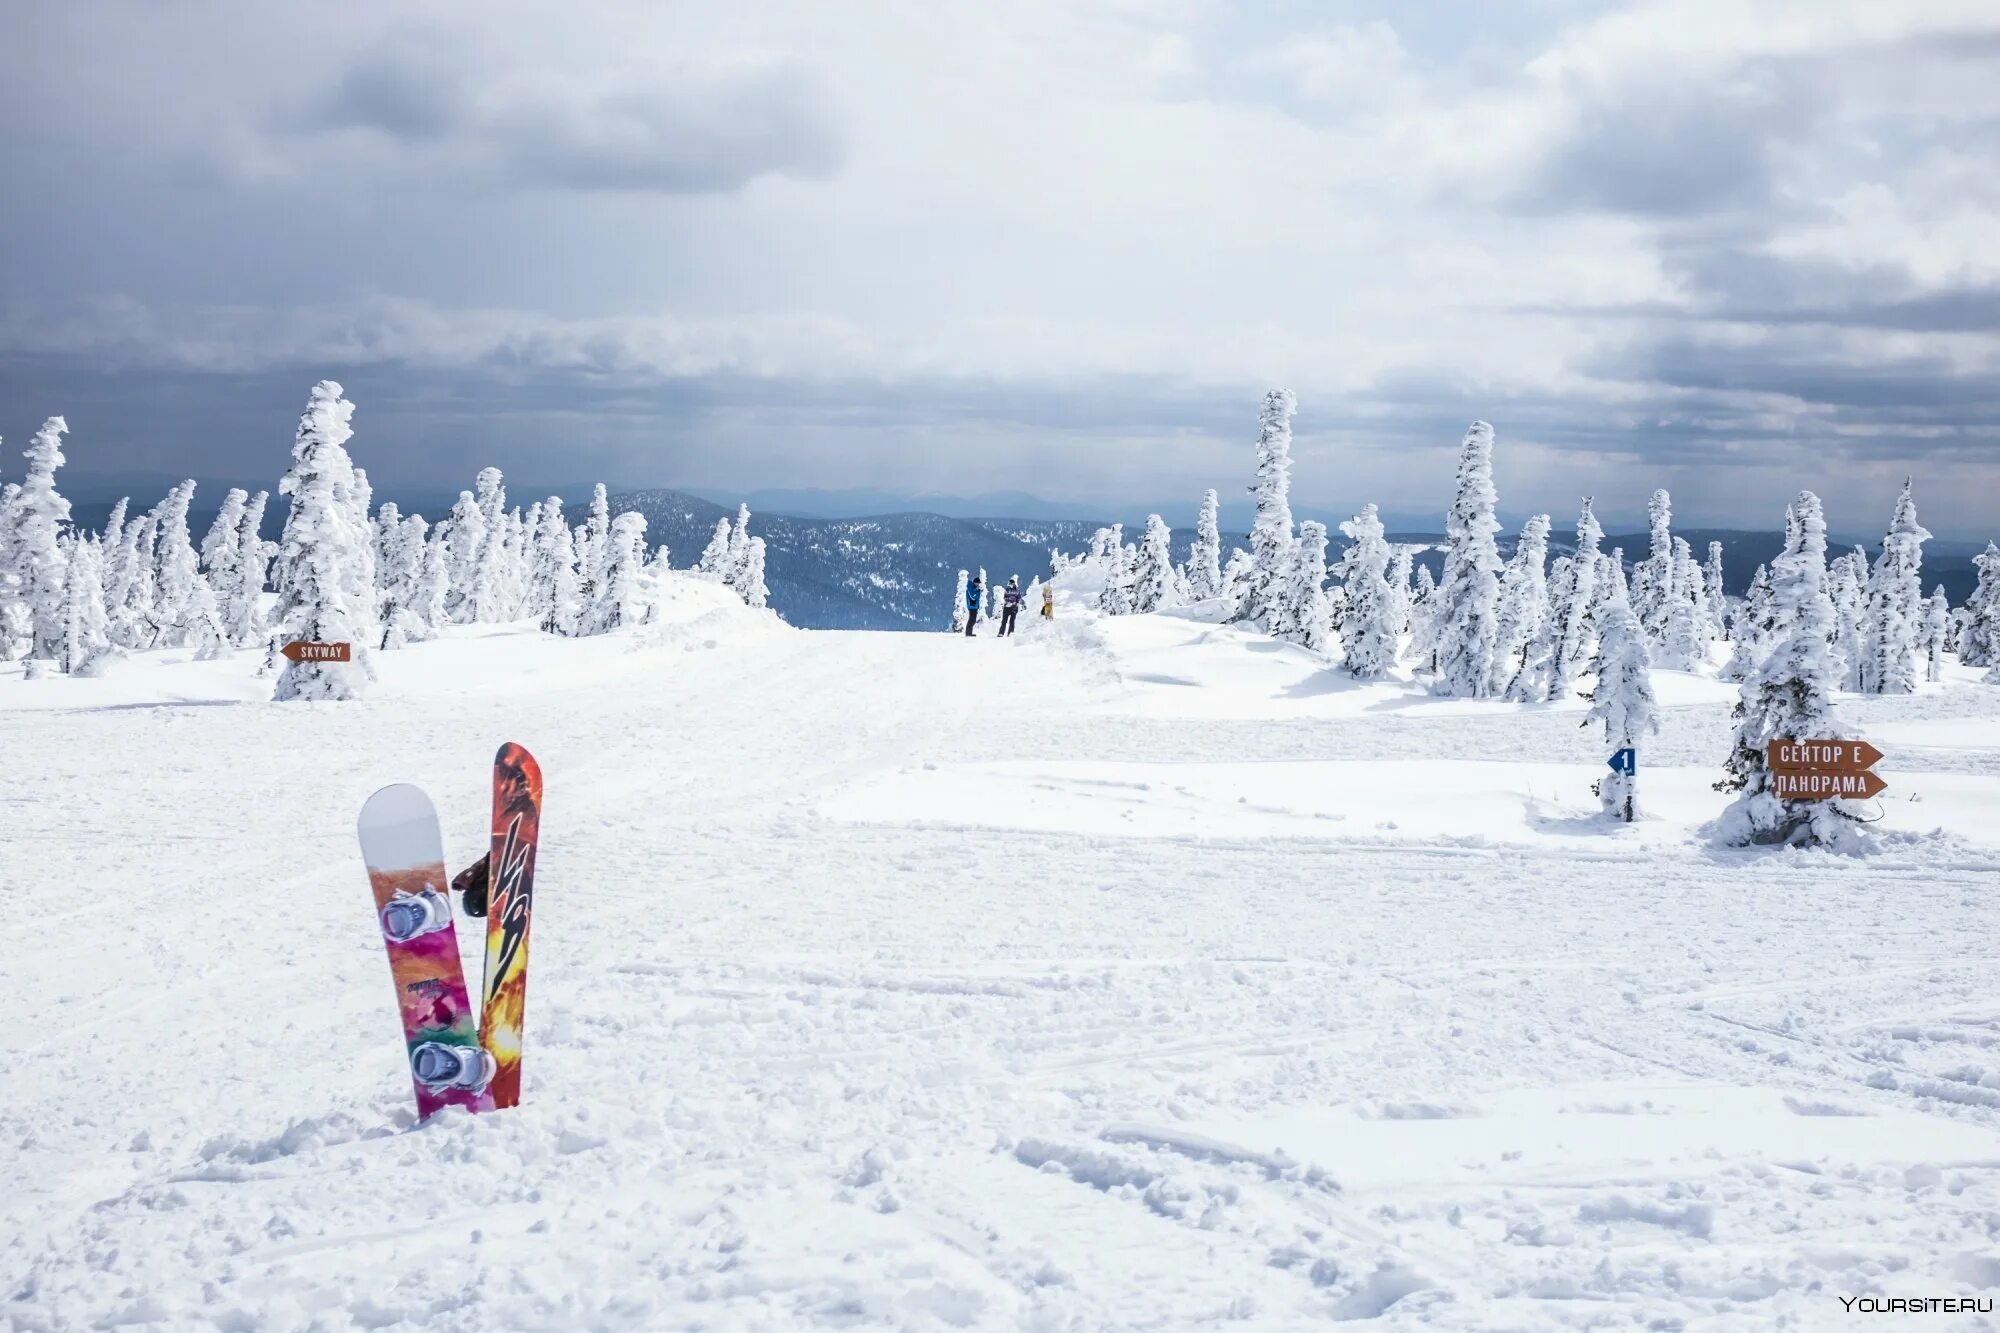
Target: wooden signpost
[
  {"x": 300, "y": 651},
  {"x": 1819, "y": 770}
]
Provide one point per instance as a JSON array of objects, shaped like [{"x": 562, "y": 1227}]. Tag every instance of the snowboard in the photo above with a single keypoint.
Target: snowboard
[
  {"x": 405, "y": 856},
  {"x": 510, "y": 902}
]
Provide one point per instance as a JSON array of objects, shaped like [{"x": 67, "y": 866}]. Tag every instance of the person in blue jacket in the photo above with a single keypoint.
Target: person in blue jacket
[{"x": 975, "y": 593}]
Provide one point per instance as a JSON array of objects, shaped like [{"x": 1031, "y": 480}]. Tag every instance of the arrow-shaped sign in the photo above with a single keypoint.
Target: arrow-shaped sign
[
  {"x": 1789, "y": 756},
  {"x": 1626, "y": 761},
  {"x": 1821, "y": 786},
  {"x": 299, "y": 650}
]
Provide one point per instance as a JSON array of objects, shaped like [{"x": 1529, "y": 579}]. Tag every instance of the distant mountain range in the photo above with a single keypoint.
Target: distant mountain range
[{"x": 898, "y": 570}]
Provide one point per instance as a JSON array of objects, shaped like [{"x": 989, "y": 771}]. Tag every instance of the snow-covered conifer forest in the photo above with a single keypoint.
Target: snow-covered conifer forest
[{"x": 1259, "y": 934}]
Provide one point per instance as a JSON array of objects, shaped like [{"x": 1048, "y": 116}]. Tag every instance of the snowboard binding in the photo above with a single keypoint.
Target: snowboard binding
[
  {"x": 408, "y": 915},
  {"x": 440, "y": 1066}
]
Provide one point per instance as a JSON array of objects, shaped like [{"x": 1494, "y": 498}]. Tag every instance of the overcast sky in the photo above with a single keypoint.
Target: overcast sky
[{"x": 1731, "y": 248}]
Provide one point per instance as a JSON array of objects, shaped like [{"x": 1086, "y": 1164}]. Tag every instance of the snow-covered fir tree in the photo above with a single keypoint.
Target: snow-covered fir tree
[
  {"x": 1653, "y": 578},
  {"x": 114, "y": 526},
  {"x": 1301, "y": 610},
  {"x": 1520, "y": 652},
  {"x": 1751, "y": 629},
  {"x": 554, "y": 588},
  {"x": 622, "y": 598},
  {"x": 1611, "y": 578},
  {"x": 750, "y": 585},
  {"x": 243, "y": 605},
  {"x": 1271, "y": 562},
  {"x": 399, "y": 569},
  {"x": 177, "y": 567},
  {"x": 220, "y": 548},
  {"x": 434, "y": 585},
  {"x": 958, "y": 602},
  {"x": 1204, "y": 566},
  {"x": 324, "y": 595},
  {"x": 1682, "y": 642},
  {"x": 1466, "y": 627},
  {"x": 1154, "y": 586},
  {"x": 464, "y": 536},
  {"x": 1790, "y": 698},
  {"x": 1979, "y": 619},
  {"x": 1936, "y": 634},
  {"x": 86, "y": 644},
  {"x": 31, "y": 586},
  {"x": 1714, "y": 593},
  {"x": 1621, "y": 699},
  {"x": 128, "y": 592},
  {"x": 1845, "y": 577},
  {"x": 1116, "y": 597},
  {"x": 714, "y": 561},
  {"x": 1895, "y": 616},
  {"x": 1423, "y": 621},
  {"x": 1400, "y": 592},
  {"x": 489, "y": 562},
  {"x": 1572, "y": 597},
  {"x": 1371, "y": 620}
]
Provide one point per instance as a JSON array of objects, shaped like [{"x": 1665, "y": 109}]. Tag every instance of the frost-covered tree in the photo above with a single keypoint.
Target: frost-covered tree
[
  {"x": 1713, "y": 592},
  {"x": 1372, "y": 617},
  {"x": 1300, "y": 608},
  {"x": 1400, "y": 592},
  {"x": 129, "y": 587},
  {"x": 463, "y": 533},
  {"x": 1271, "y": 538},
  {"x": 242, "y": 605},
  {"x": 1936, "y": 634},
  {"x": 399, "y": 568},
  {"x": 324, "y": 592},
  {"x": 1611, "y": 577},
  {"x": 621, "y": 600},
  {"x": 750, "y": 583},
  {"x": 1116, "y": 597},
  {"x": 1423, "y": 621},
  {"x": 714, "y": 561},
  {"x": 1204, "y": 566},
  {"x": 1682, "y": 642},
  {"x": 1154, "y": 586},
  {"x": 434, "y": 586},
  {"x": 490, "y": 561},
  {"x": 1790, "y": 698},
  {"x": 31, "y": 586},
  {"x": 220, "y": 548},
  {"x": 958, "y": 609},
  {"x": 1979, "y": 623},
  {"x": 1466, "y": 628},
  {"x": 1653, "y": 579},
  {"x": 1751, "y": 629},
  {"x": 1895, "y": 616},
  {"x": 114, "y": 526},
  {"x": 1622, "y": 699},
  {"x": 1845, "y": 576},
  {"x": 86, "y": 643},
  {"x": 1520, "y": 653},
  {"x": 1573, "y": 595},
  {"x": 553, "y": 596},
  {"x": 177, "y": 568}
]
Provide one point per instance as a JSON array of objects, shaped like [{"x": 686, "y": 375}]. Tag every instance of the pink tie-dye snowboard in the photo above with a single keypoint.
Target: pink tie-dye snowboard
[{"x": 405, "y": 856}]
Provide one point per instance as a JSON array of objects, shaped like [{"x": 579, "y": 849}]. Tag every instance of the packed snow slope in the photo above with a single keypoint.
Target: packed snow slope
[{"x": 1127, "y": 974}]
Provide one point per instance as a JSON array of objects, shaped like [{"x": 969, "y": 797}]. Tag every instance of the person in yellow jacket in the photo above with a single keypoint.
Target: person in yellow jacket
[{"x": 1048, "y": 602}]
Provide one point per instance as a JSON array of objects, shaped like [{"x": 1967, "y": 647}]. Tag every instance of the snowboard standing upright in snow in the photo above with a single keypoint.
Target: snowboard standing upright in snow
[
  {"x": 510, "y": 896},
  {"x": 405, "y": 856}
]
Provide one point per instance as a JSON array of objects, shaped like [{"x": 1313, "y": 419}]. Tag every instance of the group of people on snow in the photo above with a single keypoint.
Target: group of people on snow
[{"x": 1010, "y": 604}]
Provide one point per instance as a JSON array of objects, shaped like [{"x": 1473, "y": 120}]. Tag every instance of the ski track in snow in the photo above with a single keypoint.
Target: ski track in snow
[{"x": 800, "y": 1055}]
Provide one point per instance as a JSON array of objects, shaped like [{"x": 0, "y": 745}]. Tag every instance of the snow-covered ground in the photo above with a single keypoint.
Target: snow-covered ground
[{"x": 1127, "y": 974}]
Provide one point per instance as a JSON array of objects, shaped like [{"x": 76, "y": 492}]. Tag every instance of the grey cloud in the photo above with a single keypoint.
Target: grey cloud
[
  {"x": 408, "y": 95},
  {"x": 678, "y": 136},
  {"x": 683, "y": 131},
  {"x": 1674, "y": 148}
]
